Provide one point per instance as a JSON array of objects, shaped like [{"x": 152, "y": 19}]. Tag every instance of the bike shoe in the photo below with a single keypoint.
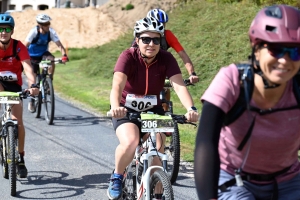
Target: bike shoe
[
  {"x": 21, "y": 168},
  {"x": 114, "y": 190},
  {"x": 31, "y": 107}
]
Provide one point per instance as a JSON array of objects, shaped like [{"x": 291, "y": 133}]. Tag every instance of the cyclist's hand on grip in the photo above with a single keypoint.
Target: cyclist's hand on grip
[
  {"x": 194, "y": 79},
  {"x": 65, "y": 58},
  {"x": 192, "y": 116},
  {"x": 33, "y": 91},
  {"x": 118, "y": 112}
]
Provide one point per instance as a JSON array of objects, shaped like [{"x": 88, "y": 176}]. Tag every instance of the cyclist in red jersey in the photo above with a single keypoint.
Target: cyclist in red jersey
[
  {"x": 12, "y": 66},
  {"x": 170, "y": 40},
  {"x": 139, "y": 76}
]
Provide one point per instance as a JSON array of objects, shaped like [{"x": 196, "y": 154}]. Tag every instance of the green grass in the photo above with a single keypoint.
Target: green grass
[{"x": 213, "y": 35}]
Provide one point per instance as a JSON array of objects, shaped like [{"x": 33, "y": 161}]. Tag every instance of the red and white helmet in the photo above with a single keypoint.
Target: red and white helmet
[
  {"x": 276, "y": 24},
  {"x": 43, "y": 18}
]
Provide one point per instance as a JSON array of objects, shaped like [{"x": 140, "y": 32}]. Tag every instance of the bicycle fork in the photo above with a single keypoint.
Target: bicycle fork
[{"x": 144, "y": 185}]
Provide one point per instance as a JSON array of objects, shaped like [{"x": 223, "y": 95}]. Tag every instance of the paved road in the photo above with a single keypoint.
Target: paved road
[{"x": 73, "y": 158}]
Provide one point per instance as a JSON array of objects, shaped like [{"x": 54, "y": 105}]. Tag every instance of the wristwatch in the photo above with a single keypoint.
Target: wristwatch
[
  {"x": 193, "y": 74},
  {"x": 193, "y": 108},
  {"x": 34, "y": 86}
]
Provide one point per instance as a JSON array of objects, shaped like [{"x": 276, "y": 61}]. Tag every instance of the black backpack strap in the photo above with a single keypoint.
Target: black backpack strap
[
  {"x": 37, "y": 35},
  {"x": 246, "y": 76},
  {"x": 15, "y": 50},
  {"x": 296, "y": 87},
  {"x": 163, "y": 43}
]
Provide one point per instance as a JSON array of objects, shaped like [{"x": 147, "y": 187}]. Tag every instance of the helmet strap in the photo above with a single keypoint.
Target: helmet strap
[{"x": 258, "y": 71}]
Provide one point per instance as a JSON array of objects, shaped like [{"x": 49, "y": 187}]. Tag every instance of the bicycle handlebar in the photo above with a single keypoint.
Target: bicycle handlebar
[
  {"x": 181, "y": 119},
  {"x": 187, "y": 82}
]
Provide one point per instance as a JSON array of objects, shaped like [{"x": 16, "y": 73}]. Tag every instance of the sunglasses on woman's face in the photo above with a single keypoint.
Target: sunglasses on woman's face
[
  {"x": 278, "y": 51},
  {"x": 147, "y": 40},
  {"x": 5, "y": 29}
]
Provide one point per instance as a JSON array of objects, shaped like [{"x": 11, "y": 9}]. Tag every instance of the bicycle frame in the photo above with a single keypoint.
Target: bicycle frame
[
  {"x": 144, "y": 185},
  {"x": 9, "y": 138}
]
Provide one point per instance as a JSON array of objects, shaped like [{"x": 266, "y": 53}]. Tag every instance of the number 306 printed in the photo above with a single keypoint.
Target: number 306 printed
[{"x": 149, "y": 124}]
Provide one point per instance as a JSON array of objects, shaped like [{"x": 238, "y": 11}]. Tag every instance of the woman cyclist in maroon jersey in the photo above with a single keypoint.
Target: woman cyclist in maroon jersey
[{"x": 139, "y": 76}]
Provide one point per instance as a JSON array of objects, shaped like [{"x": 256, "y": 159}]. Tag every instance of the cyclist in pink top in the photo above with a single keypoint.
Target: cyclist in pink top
[
  {"x": 255, "y": 156},
  {"x": 139, "y": 76}
]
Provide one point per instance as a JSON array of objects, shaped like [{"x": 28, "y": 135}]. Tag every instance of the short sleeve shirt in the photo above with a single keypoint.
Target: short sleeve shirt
[
  {"x": 33, "y": 32},
  {"x": 143, "y": 79},
  {"x": 173, "y": 41},
  {"x": 11, "y": 63},
  {"x": 275, "y": 138}
]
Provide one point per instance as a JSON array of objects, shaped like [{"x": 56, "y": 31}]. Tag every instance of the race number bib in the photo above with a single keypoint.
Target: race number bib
[
  {"x": 8, "y": 76},
  {"x": 140, "y": 102},
  {"x": 156, "y": 123}
]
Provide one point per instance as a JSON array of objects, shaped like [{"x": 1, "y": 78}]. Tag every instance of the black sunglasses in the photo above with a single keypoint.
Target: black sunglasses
[
  {"x": 7, "y": 29},
  {"x": 147, "y": 40}
]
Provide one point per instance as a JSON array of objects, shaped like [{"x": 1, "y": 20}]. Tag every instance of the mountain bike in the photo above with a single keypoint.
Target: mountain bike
[
  {"x": 46, "y": 95},
  {"x": 139, "y": 179},
  {"x": 172, "y": 145},
  {"x": 9, "y": 137}
]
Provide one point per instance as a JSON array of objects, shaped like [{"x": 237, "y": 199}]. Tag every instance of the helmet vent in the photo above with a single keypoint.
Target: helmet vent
[
  {"x": 271, "y": 29},
  {"x": 274, "y": 11}
]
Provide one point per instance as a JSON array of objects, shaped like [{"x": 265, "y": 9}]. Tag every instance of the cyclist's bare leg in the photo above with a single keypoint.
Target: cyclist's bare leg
[
  {"x": 168, "y": 97},
  {"x": 17, "y": 113},
  {"x": 51, "y": 71},
  {"x": 128, "y": 135}
]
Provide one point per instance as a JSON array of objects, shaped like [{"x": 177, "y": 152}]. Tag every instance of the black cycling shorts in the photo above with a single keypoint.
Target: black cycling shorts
[
  {"x": 11, "y": 86},
  {"x": 36, "y": 60},
  {"x": 117, "y": 122}
]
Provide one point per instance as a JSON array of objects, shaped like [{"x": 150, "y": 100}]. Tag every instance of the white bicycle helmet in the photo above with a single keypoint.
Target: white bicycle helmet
[
  {"x": 43, "y": 18},
  {"x": 159, "y": 15},
  {"x": 148, "y": 24}
]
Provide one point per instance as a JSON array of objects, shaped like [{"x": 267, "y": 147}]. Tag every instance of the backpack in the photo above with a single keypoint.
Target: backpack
[
  {"x": 164, "y": 44},
  {"x": 38, "y": 36},
  {"x": 246, "y": 76},
  {"x": 15, "y": 51}
]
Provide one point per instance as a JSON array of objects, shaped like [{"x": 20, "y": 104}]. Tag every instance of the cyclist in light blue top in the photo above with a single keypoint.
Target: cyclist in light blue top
[{"x": 37, "y": 42}]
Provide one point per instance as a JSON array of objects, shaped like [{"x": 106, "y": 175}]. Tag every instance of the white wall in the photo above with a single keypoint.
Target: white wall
[{"x": 35, "y": 3}]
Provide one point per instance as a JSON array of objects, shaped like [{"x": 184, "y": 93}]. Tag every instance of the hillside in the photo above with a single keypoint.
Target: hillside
[{"x": 88, "y": 27}]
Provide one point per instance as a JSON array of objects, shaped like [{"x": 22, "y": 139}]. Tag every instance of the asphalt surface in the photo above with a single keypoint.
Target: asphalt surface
[{"x": 73, "y": 158}]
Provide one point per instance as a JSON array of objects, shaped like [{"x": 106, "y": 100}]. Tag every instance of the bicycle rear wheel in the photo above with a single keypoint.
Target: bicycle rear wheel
[
  {"x": 129, "y": 182},
  {"x": 38, "y": 105},
  {"x": 12, "y": 160},
  {"x": 161, "y": 177},
  {"x": 172, "y": 149},
  {"x": 49, "y": 101},
  {"x": 3, "y": 158}
]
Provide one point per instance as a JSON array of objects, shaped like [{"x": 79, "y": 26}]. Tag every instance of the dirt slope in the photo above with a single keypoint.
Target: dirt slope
[{"x": 87, "y": 27}]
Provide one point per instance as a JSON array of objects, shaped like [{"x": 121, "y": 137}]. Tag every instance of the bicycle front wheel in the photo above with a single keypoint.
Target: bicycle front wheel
[
  {"x": 172, "y": 149},
  {"x": 161, "y": 180},
  {"x": 129, "y": 182},
  {"x": 3, "y": 158},
  {"x": 49, "y": 101},
  {"x": 12, "y": 162}
]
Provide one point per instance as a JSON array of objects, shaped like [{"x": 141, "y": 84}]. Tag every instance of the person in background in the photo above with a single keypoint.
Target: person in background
[
  {"x": 170, "y": 40},
  {"x": 255, "y": 156},
  {"x": 12, "y": 63},
  {"x": 37, "y": 42}
]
